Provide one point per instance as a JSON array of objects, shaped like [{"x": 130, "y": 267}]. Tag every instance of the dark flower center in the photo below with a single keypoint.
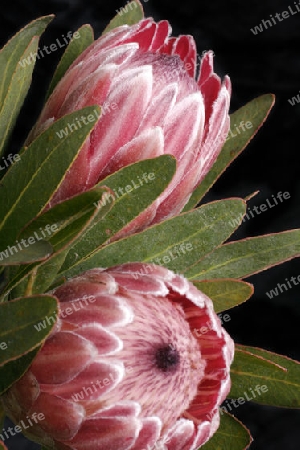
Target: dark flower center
[{"x": 167, "y": 358}]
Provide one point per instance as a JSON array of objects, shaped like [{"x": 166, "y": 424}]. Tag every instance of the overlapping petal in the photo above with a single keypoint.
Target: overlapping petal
[
  {"x": 140, "y": 362},
  {"x": 152, "y": 104}
]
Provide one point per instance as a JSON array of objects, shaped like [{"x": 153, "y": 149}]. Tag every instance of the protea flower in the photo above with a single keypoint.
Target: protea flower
[
  {"x": 126, "y": 366},
  {"x": 152, "y": 104}
]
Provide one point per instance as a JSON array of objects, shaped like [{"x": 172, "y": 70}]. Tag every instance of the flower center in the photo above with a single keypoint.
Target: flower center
[{"x": 167, "y": 358}]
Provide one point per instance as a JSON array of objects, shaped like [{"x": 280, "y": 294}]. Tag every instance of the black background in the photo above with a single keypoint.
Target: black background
[{"x": 257, "y": 64}]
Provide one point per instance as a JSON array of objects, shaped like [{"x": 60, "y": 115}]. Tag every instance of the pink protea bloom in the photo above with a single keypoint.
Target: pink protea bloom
[
  {"x": 138, "y": 360},
  {"x": 152, "y": 104}
]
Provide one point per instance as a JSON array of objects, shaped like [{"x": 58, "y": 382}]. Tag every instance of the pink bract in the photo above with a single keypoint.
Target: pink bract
[
  {"x": 152, "y": 104},
  {"x": 138, "y": 360}
]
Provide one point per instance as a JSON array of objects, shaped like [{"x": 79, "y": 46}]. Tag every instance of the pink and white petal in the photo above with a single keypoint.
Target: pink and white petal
[
  {"x": 66, "y": 350},
  {"x": 147, "y": 285},
  {"x": 163, "y": 30},
  {"x": 179, "y": 284},
  {"x": 96, "y": 380},
  {"x": 148, "y": 144},
  {"x": 106, "y": 342},
  {"x": 218, "y": 128},
  {"x": 125, "y": 409},
  {"x": 99, "y": 83},
  {"x": 178, "y": 196},
  {"x": 133, "y": 93},
  {"x": 119, "y": 56},
  {"x": 25, "y": 391},
  {"x": 185, "y": 125},
  {"x": 206, "y": 67},
  {"x": 80, "y": 172},
  {"x": 204, "y": 432},
  {"x": 167, "y": 47},
  {"x": 149, "y": 434},
  {"x": 107, "y": 310},
  {"x": 185, "y": 48},
  {"x": 98, "y": 275},
  {"x": 62, "y": 418},
  {"x": 159, "y": 108},
  {"x": 180, "y": 435},
  {"x": 108, "y": 40},
  {"x": 138, "y": 269},
  {"x": 210, "y": 90},
  {"x": 106, "y": 434},
  {"x": 145, "y": 36},
  {"x": 77, "y": 290}
]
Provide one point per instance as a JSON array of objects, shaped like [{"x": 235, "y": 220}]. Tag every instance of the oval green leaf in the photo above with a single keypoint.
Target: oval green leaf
[
  {"x": 129, "y": 14},
  {"x": 28, "y": 185},
  {"x": 26, "y": 251},
  {"x": 25, "y": 324},
  {"x": 254, "y": 112},
  {"x": 15, "y": 74},
  {"x": 74, "y": 49},
  {"x": 240, "y": 259},
  {"x": 225, "y": 293},
  {"x": 231, "y": 435},
  {"x": 13, "y": 370},
  {"x": 175, "y": 243},
  {"x": 253, "y": 367}
]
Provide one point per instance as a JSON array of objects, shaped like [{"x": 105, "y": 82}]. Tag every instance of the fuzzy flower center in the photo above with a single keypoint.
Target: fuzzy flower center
[
  {"x": 167, "y": 358},
  {"x": 162, "y": 359}
]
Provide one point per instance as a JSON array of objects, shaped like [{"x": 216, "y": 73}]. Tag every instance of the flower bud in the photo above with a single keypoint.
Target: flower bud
[{"x": 152, "y": 104}]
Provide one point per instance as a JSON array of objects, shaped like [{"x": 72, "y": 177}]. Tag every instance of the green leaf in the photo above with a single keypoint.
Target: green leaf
[
  {"x": 132, "y": 194},
  {"x": 2, "y": 446},
  {"x": 28, "y": 186},
  {"x": 175, "y": 243},
  {"x": 254, "y": 367},
  {"x": 25, "y": 324},
  {"x": 231, "y": 435},
  {"x": 70, "y": 218},
  {"x": 13, "y": 370},
  {"x": 255, "y": 112},
  {"x": 48, "y": 270},
  {"x": 130, "y": 14},
  {"x": 225, "y": 293},
  {"x": 240, "y": 259},
  {"x": 26, "y": 253},
  {"x": 58, "y": 224},
  {"x": 73, "y": 50},
  {"x": 14, "y": 78}
]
